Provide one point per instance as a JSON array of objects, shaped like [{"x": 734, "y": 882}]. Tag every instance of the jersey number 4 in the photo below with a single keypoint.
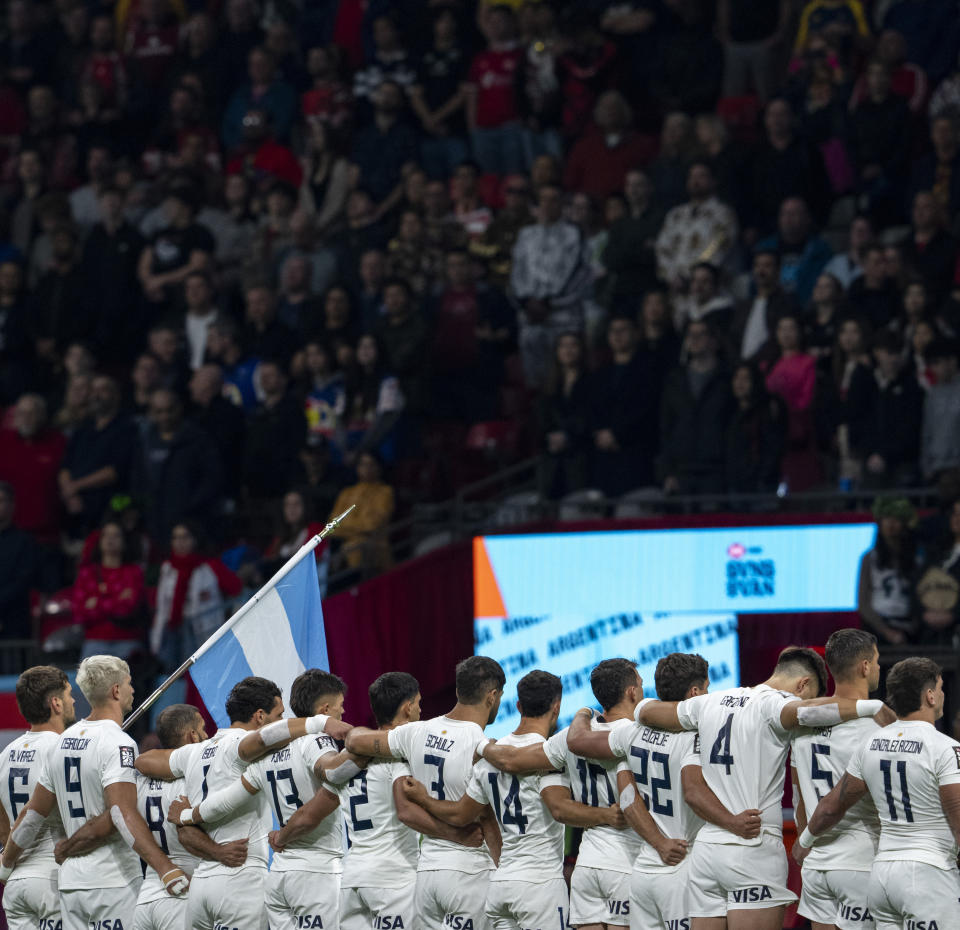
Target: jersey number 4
[{"x": 720, "y": 750}]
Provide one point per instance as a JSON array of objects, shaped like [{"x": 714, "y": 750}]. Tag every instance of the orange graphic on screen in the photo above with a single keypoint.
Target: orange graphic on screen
[{"x": 487, "y": 600}]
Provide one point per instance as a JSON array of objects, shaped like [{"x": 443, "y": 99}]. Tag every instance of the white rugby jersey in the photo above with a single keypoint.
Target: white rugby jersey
[
  {"x": 743, "y": 752},
  {"x": 594, "y": 782},
  {"x": 532, "y": 839},
  {"x": 903, "y": 766},
  {"x": 153, "y": 802},
  {"x": 286, "y": 779},
  {"x": 216, "y": 764},
  {"x": 656, "y": 758},
  {"x": 383, "y": 851},
  {"x": 20, "y": 770},
  {"x": 440, "y": 755},
  {"x": 88, "y": 757},
  {"x": 820, "y": 757}
]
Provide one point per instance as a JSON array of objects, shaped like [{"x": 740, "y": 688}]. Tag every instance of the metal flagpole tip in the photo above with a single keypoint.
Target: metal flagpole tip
[{"x": 336, "y": 521}]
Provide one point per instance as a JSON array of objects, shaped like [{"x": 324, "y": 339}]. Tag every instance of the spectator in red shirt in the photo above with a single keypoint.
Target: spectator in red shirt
[
  {"x": 493, "y": 116},
  {"x": 260, "y": 157},
  {"x": 30, "y": 458},
  {"x": 104, "y": 65},
  {"x": 108, "y": 597},
  {"x": 151, "y": 50},
  {"x": 600, "y": 160}
]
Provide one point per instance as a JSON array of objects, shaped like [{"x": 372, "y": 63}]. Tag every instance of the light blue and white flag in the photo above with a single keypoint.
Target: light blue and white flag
[{"x": 277, "y": 638}]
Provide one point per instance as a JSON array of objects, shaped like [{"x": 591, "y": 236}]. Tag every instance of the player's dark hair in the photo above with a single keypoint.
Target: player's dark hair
[
  {"x": 845, "y": 648},
  {"x": 677, "y": 673},
  {"x": 173, "y": 723},
  {"x": 537, "y": 691},
  {"x": 907, "y": 681},
  {"x": 248, "y": 696},
  {"x": 476, "y": 676},
  {"x": 35, "y": 687},
  {"x": 794, "y": 657},
  {"x": 308, "y": 688},
  {"x": 610, "y": 679},
  {"x": 388, "y": 692}
]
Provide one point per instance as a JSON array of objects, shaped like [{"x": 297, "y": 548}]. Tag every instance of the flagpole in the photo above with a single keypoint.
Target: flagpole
[{"x": 282, "y": 572}]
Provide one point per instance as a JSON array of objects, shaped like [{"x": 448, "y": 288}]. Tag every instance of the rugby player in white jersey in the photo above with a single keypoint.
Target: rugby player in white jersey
[
  {"x": 911, "y": 771},
  {"x": 744, "y": 740},
  {"x": 286, "y": 778},
  {"x": 527, "y": 889},
  {"x": 30, "y": 898},
  {"x": 663, "y": 795},
  {"x": 600, "y": 885},
  {"x": 834, "y": 892},
  {"x": 91, "y": 771},
  {"x": 451, "y": 879},
  {"x": 224, "y": 895},
  {"x": 177, "y": 725}
]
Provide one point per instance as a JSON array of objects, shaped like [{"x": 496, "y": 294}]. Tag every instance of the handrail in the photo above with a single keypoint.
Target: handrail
[{"x": 474, "y": 505}]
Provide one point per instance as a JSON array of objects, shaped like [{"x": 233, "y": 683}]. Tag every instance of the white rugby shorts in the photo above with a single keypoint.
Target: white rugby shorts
[
  {"x": 729, "y": 876},
  {"x": 534, "y": 905},
  {"x": 659, "y": 900},
  {"x": 916, "y": 894},
  {"x": 235, "y": 900},
  {"x": 599, "y": 896},
  {"x": 103, "y": 907},
  {"x": 836, "y": 896},
  {"x": 166, "y": 913},
  {"x": 448, "y": 900},
  {"x": 380, "y": 908},
  {"x": 32, "y": 902},
  {"x": 304, "y": 899}
]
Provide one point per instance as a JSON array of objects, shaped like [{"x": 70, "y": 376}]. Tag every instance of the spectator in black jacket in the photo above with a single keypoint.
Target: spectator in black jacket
[
  {"x": 623, "y": 415},
  {"x": 18, "y": 568},
  {"x": 276, "y": 433},
  {"x": 98, "y": 459},
  {"x": 755, "y": 434},
  {"x": 222, "y": 421},
  {"x": 939, "y": 170},
  {"x": 893, "y": 446},
  {"x": 880, "y": 134},
  {"x": 694, "y": 411},
  {"x": 564, "y": 420},
  {"x": 177, "y": 470}
]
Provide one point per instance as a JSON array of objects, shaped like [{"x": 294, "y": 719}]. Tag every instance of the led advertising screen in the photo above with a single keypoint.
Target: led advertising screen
[{"x": 564, "y": 601}]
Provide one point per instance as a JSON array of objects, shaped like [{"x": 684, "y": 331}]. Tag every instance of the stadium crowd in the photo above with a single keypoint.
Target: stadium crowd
[{"x": 281, "y": 258}]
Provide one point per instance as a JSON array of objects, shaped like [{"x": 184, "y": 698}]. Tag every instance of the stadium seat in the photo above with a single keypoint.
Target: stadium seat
[
  {"x": 643, "y": 502},
  {"x": 588, "y": 504}
]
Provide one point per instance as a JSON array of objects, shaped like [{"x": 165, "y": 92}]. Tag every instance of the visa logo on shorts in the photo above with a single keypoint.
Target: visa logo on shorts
[
  {"x": 108, "y": 923},
  {"x": 224, "y": 927},
  {"x": 309, "y": 921},
  {"x": 386, "y": 922},
  {"x": 852, "y": 912},
  {"x": 618, "y": 907},
  {"x": 681, "y": 923},
  {"x": 922, "y": 925},
  {"x": 757, "y": 893},
  {"x": 458, "y": 922},
  {"x": 48, "y": 923}
]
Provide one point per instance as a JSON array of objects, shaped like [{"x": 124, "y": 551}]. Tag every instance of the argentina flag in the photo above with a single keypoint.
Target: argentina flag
[{"x": 277, "y": 637}]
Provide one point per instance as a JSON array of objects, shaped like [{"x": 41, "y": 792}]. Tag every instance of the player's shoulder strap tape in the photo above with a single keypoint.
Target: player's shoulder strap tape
[
  {"x": 116, "y": 815},
  {"x": 218, "y": 804},
  {"x": 28, "y": 828}
]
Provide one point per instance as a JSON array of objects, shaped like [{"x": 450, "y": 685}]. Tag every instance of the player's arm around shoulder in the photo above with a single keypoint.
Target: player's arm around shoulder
[
  {"x": 216, "y": 806},
  {"x": 830, "y": 809},
  {"x": 468, "y": 809},
  {"x": 670, "y": 850},
  {"x": 363, "y": 741},
  {"x": 518, "y": 760},
  {"x": 667, "y": 715},
  {"x": 572, "y": 813},
  {"x": 584, "y": 741},
  {"x": 305, "y": 819},
  {"x": 418, "y": 818},
  {"x": 830, "y": 711},
  {"x": 155, "y": 763}
]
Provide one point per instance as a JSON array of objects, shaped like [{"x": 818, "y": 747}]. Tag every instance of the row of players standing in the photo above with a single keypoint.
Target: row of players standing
[{"x": 705, "y": 802}]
